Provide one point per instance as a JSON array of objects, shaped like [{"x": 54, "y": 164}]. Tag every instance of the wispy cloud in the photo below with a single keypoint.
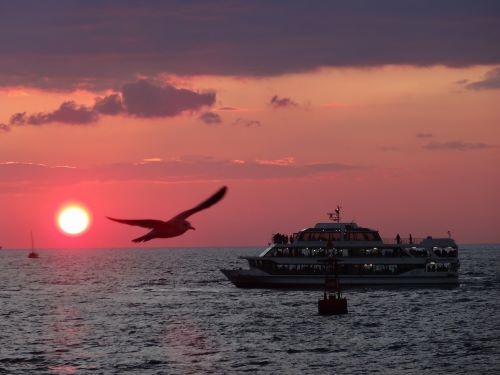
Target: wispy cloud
[
  {"x": 389, "y": 148},
  {"x": 457, "y": 146},
  {"x": 290, "y": 160},
  {"x": 163, "y": 171},
  {"x": 491, "y": 81},
  {"x": 424, "y": 135},
  {"x": 247, "y": 123}
]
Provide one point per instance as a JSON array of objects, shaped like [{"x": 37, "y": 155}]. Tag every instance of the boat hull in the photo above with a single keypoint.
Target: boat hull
[{"x": 259, "y": 279}]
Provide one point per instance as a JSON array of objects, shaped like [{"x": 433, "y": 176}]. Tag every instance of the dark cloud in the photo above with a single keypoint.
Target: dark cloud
[
  {"x": 456, "y": 146},
  {"x": 490, "y": 82},
  {"x": 211, "y": 118},
  {"x": 109, "y": 105},
  {"x": 88, "y": 44},
  {"x": 18, "y": 118},
  {"x": 143, "y": 99},
  {"x": 139, "y": 99},
  {"x": 68, "y": 113},
  {"x": 278, "y": 102}
]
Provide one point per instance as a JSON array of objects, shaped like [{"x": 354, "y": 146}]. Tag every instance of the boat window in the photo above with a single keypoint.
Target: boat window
[
  {"x": 358, "y": 236},
  {"x": 363, "y": 236}
]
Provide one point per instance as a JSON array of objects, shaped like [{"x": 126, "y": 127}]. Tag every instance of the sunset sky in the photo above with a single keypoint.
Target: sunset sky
[{"x": 142, "y": 109}]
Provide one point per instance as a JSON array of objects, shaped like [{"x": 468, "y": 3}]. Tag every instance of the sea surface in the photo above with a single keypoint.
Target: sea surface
[{"x": 171, "y": 311}]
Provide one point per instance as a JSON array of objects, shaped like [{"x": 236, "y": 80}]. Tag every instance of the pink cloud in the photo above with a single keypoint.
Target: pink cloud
[
  {"x": 161, "y": 171},
  {"x": 247, "y": 123},
  {"x": 423, "y": 135},
  {"x": 457, "y": 146},
  {"x": 279, "y": 162}
]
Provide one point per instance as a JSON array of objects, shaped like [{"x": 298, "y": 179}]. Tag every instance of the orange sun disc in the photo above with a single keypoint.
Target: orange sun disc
[{"x": 73, "y": 219}]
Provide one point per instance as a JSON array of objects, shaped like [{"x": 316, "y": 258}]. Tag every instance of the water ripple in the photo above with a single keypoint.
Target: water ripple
[{"x": 172, "y": 312}]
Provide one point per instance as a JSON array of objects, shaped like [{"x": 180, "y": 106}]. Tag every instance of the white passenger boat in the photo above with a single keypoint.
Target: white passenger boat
[{"x": 363, "y": 259}]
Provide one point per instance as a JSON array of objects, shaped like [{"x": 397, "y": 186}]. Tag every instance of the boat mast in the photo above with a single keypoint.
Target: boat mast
[{"x": 335, "y": 216}]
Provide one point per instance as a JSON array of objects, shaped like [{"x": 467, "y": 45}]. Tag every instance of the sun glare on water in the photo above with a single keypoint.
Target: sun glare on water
[{"x": 73, "y": 219}]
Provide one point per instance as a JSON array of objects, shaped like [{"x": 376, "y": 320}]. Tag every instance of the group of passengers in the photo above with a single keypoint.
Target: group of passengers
[
  {"x": 283, "y": 239},
  {"x": 400, "y": 241}
]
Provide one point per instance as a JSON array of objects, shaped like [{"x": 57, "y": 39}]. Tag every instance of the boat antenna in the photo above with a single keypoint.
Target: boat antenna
[{"x": 335, "y": 216}]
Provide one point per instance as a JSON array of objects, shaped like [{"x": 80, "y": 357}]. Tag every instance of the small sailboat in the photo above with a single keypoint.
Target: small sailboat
[{"x": 33, "y": 253}]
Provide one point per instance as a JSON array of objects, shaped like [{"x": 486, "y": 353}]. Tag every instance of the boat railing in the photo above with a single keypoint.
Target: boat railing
[
  {"x": 279, "y": 239},
  {"x": 402, "y": 241}
]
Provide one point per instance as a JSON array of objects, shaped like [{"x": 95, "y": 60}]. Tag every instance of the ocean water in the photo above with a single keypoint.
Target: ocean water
[{"x": 171, "y": 311}]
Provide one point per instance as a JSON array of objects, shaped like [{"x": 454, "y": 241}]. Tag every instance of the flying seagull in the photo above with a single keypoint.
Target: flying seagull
[{"x": 176, "y": 225}]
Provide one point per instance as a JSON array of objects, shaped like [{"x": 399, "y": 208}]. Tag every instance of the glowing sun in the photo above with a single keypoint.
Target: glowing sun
[{"x": 73, "y": 219}]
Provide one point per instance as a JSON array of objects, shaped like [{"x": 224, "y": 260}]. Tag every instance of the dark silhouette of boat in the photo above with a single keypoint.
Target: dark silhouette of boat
[
  {"x": 33, "y": 254},
  {"x": 332, "y": 302},
  {"x": 297, "y": 261}
]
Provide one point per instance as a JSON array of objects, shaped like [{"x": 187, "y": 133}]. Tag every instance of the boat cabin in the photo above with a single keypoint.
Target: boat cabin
[{"x": 337, "y": 232}]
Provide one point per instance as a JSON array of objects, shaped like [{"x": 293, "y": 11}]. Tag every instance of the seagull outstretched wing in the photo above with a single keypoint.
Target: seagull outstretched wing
[
  {"x": 203, "y": 205},
  {"x": 145, "y": 223}
]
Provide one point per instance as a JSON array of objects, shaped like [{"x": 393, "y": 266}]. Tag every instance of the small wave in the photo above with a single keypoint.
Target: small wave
[
  {"x": 20, "y": 360},
  {"x": 146, "y": 365},
  {"x": 258, "y": 363},
  {"x": 473, "y": 274},
  {"x": 208, "y": 352},
  {"x": 155, "y": 282},
  {"x": 463, "y": 300},
  {"x": 367, "y": 324}
]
